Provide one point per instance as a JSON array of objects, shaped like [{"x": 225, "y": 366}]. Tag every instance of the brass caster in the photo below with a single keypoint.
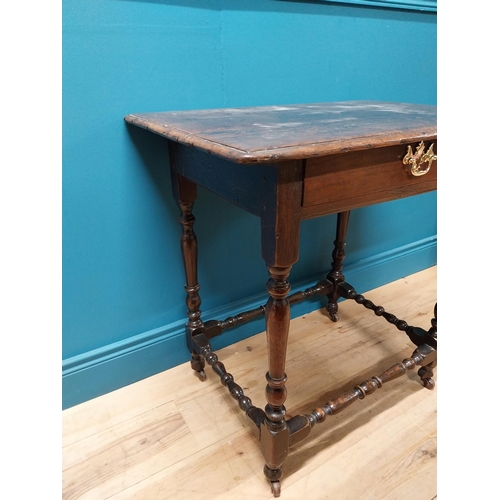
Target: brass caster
[{"x": 276, "y": 488}]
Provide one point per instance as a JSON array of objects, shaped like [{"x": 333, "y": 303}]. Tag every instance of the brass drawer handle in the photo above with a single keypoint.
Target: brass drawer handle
[{"x": 416, "y": 161}]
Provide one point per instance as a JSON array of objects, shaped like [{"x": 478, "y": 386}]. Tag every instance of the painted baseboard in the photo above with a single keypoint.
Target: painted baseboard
[{"x": 111, "y": 367}]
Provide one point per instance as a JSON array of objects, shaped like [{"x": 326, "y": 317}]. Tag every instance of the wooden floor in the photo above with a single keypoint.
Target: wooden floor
[{"x": 173, "y": 437}]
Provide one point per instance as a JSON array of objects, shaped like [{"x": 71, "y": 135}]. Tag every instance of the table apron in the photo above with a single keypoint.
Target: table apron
[{"x": 350, "y": 180}]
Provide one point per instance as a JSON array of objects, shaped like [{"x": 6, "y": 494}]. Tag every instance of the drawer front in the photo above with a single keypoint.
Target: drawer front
[{"x": 349, "y": 180}]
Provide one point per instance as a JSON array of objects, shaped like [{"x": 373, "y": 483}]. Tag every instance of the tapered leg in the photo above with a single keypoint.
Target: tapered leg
[
  {"x": 185, "y": 194},
  {"x": 336, "y": 276}
]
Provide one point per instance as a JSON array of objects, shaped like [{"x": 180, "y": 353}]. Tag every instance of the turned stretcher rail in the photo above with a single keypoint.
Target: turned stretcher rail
[
  {"x": 417, "y": 335},
  {"x": 255, "y": 414},
  {"x": 424, "y": 353},
  {"x": 301, "y": 425},
  {"x": 213, "y": 328}
]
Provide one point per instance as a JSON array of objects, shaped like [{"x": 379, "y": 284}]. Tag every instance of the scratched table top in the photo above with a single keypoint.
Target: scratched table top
[{"x": 276, "y": 133}]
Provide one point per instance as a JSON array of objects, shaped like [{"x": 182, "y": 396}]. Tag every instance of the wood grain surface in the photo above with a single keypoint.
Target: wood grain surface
[
  {"x": 276, "y": 133},
  {"x": 173, "y": 437}
]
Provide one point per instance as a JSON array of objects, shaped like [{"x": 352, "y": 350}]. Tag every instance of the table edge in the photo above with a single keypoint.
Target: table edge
[{"x": 311, "y": 150}]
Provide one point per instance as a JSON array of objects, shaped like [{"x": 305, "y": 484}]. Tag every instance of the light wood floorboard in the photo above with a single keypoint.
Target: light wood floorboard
[{"x": 173, "y": 437}]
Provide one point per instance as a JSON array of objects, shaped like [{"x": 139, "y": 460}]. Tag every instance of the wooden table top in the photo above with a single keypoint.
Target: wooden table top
[{"x": 276, "y": 133}]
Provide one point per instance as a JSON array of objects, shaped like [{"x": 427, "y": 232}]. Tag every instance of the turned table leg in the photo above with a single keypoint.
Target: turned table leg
[
  {"x": 275, "y": 434},
  {"x": 185, "y": 195},
  {"x": 280, "y": 228},
  {"x": 336, "y": 276}
]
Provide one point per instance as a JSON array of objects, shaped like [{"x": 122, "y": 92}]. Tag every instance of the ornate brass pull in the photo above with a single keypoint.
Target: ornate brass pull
[{"x": 416, "y": 161}]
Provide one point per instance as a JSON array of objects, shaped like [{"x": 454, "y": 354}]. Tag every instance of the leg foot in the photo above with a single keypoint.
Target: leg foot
[
  {"x": 425, "y": 373},
  {"x": 276, "y": 488},
  {"x": 332, "y": 308},
  {"x": 274, "y": 476},
  {"x": 198, "y": 365},
  {"x": 429, "y": 383}
]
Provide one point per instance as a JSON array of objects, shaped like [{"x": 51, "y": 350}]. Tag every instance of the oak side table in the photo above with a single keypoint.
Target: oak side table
[{"x": 285, "y": 164}]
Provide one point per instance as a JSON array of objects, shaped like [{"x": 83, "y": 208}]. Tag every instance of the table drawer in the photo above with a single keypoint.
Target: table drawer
[{"x": 349, "y": 180}]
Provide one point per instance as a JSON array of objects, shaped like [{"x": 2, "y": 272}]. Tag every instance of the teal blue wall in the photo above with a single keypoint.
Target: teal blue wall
[{"x": 123, "y": 298}]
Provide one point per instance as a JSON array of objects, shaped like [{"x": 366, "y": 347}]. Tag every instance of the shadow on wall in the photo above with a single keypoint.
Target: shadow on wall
[{"x": 216, "y": 219}]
